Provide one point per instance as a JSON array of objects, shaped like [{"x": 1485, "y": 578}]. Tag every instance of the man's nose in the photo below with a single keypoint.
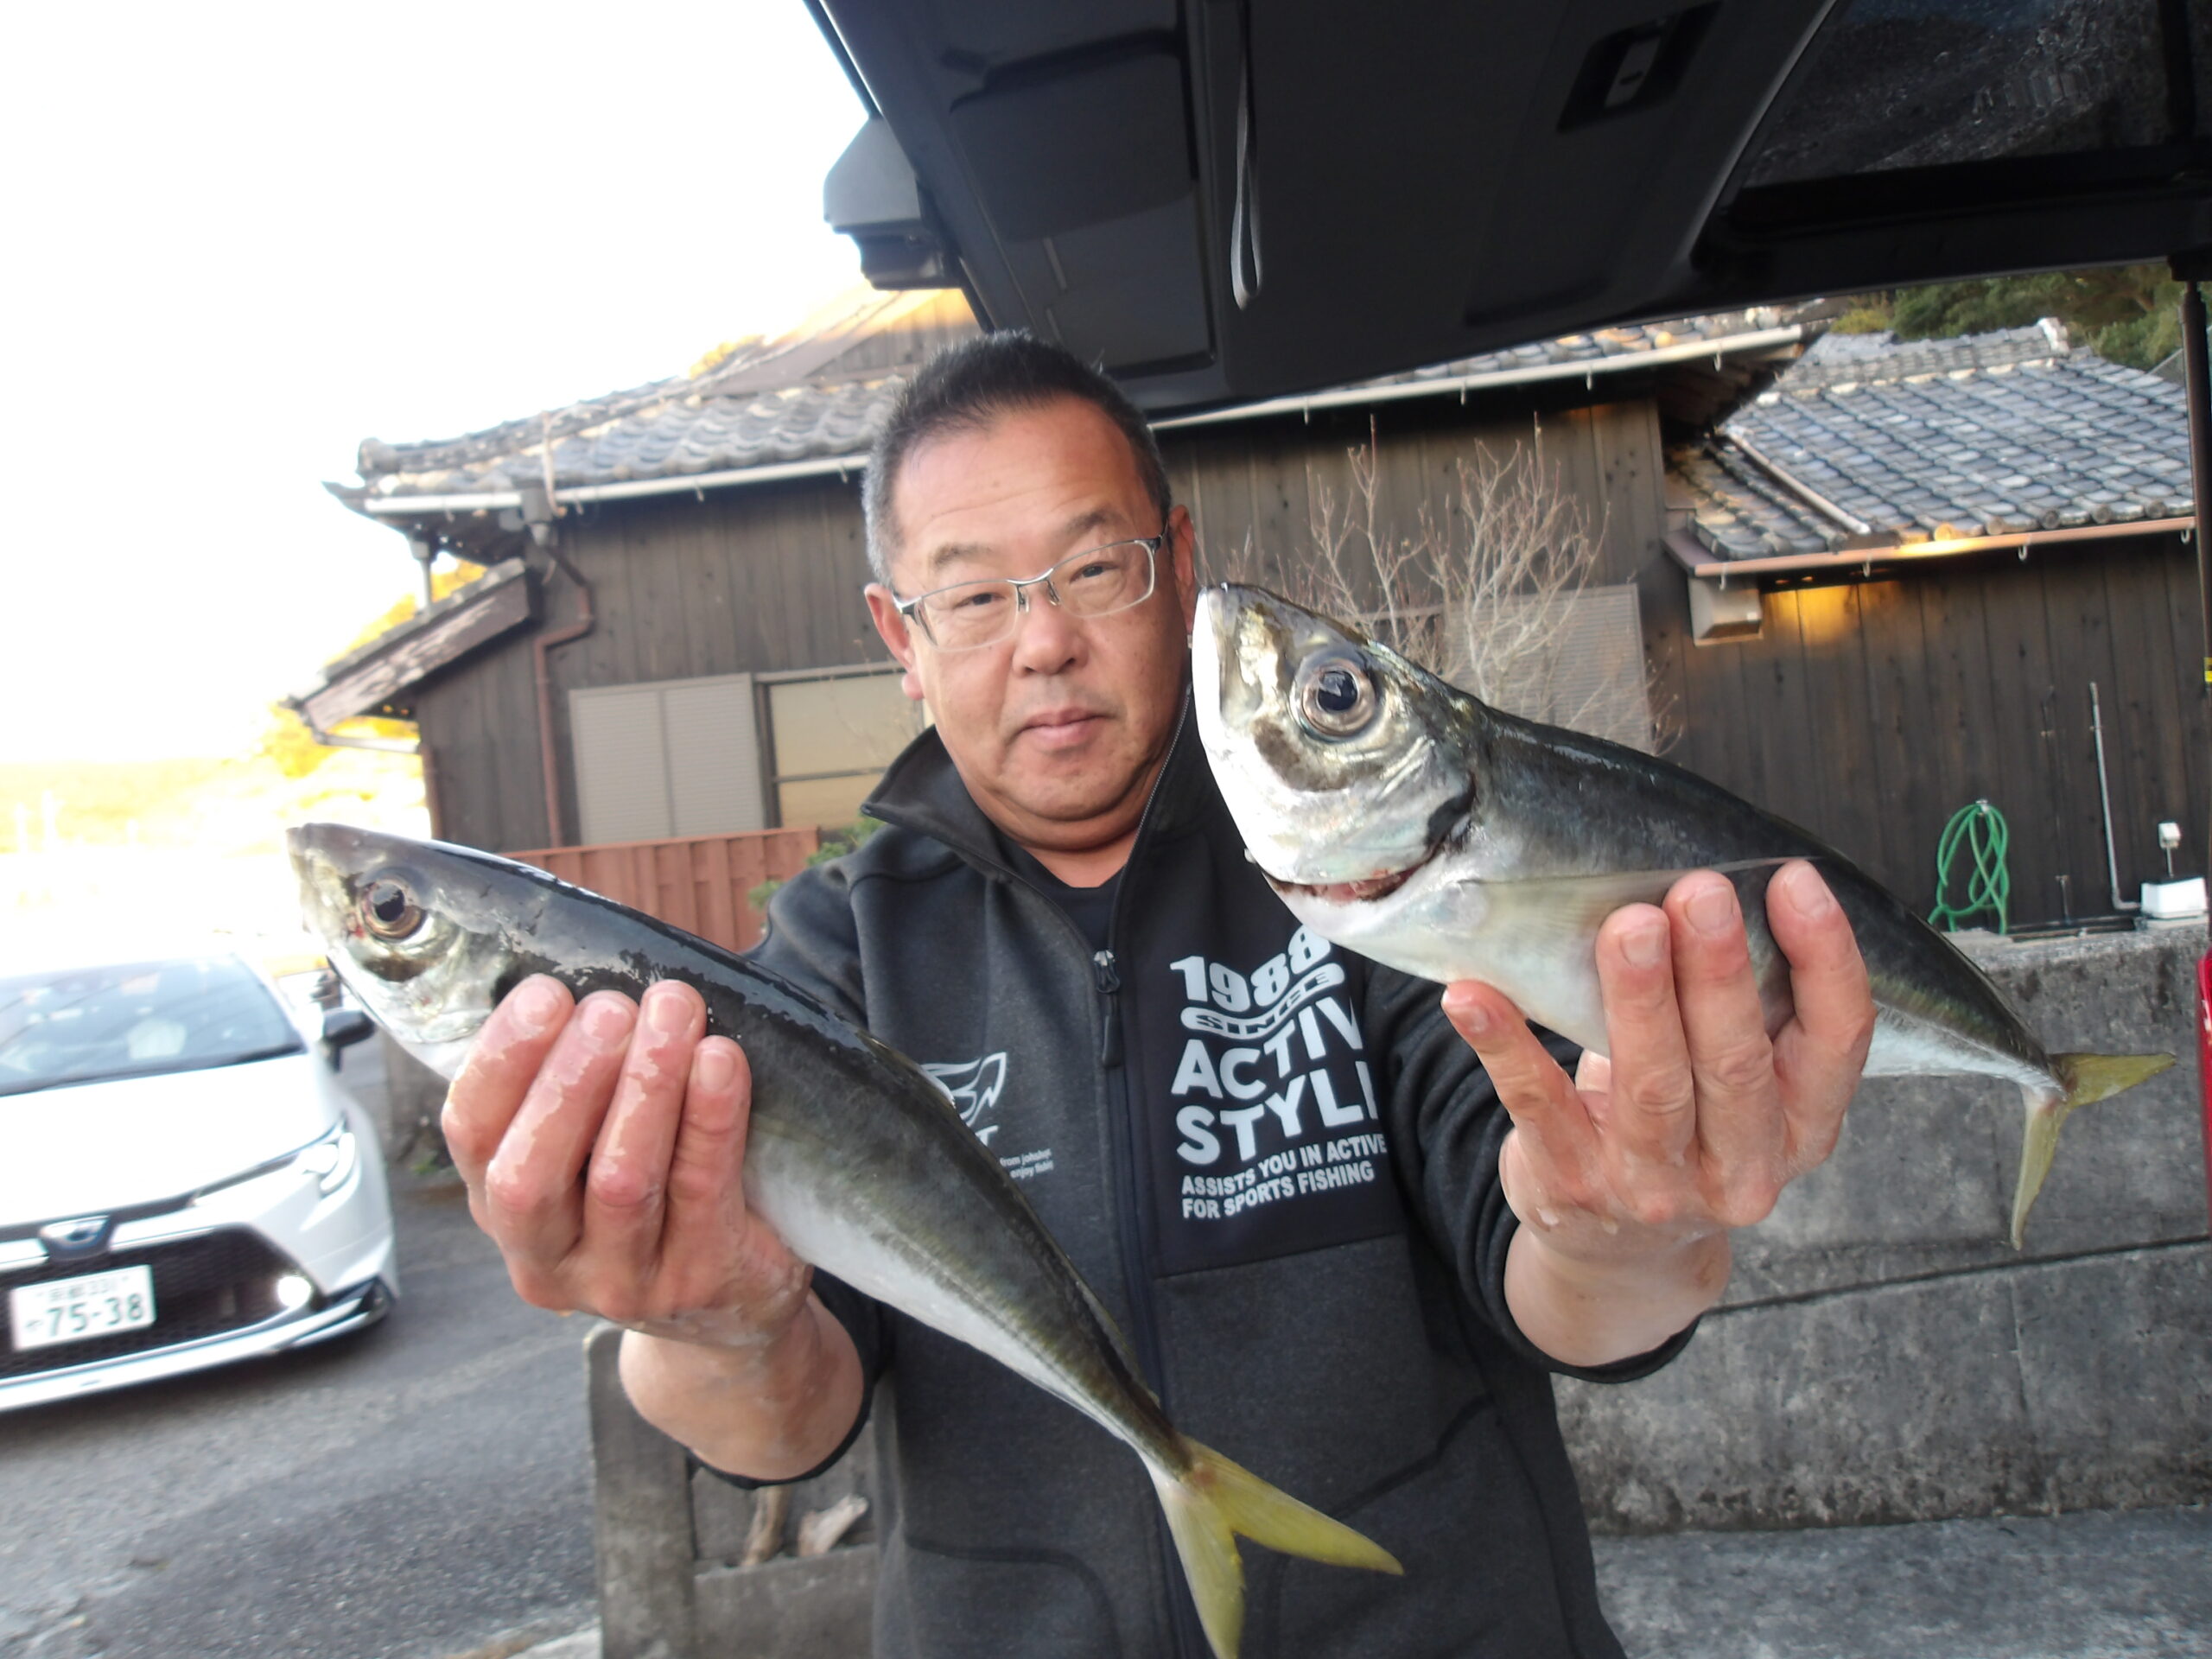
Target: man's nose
[{"x": 1046, "y": 639}]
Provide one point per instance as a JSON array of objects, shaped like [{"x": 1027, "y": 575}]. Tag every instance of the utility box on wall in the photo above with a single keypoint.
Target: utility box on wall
[{"x": 1718, "y": 614}]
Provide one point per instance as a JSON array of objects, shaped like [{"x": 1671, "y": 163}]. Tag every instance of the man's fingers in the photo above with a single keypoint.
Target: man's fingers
[
  {"x": 489, "y": 1091},
  {"x": 1652, "y": 1104},
  {"x": 707, "y": 1218},
  {"x": 1740, "y": 1130},
  {"x": 531, "y": 1188},
  {"x": 1560, "y": 1148},
  {"x": 627, "y": 1183},
  {"x": 1820, "y": 1054}
]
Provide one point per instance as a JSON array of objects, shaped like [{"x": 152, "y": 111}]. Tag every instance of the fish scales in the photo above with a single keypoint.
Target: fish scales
[
  {"x": 1402, "y": 818},
  {"x": 856, "y": 1159},
  {"x": 1595, "y": 807}
]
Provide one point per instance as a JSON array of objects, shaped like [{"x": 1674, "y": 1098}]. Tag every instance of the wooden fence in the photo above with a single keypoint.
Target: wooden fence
[{"x": 697, "y": 883}]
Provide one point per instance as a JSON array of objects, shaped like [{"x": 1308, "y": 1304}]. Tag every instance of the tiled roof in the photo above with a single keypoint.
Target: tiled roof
[
  {"x": 799, "y": 397},
  {"x": 822, "y": 391},
  {"x": 1868, "y": 441}
]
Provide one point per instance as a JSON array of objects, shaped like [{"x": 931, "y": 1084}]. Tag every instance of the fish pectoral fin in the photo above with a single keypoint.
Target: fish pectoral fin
[
  {"x": 2088, "y": 1078},
  {"x": 1573, "y": 907},
  {"x": 1213, "y": 1501}
]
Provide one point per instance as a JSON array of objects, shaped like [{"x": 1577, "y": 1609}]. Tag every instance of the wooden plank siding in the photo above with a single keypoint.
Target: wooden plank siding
[
  {"x": 698, "y": 883},
  {"x": 1874, "y": 711}
]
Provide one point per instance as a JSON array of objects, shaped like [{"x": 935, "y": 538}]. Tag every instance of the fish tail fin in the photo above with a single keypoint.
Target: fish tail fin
[
  {"x": 1213, "y": 1501},
  {"x": 2087, "y": 1078}
]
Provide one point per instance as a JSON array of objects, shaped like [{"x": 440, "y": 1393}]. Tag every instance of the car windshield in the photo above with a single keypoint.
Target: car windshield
[{"x": 134, "y": 1019}]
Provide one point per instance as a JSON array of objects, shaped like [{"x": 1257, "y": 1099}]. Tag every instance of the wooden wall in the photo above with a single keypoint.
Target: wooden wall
[
  {"x": 1258, "y": 483},
  {"x": 1871, "y": 712},
  {"x": 750, "y": 580}
]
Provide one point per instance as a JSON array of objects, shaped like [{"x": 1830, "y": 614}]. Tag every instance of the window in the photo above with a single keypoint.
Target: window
[
  {"x": 673, "y": 758},
  {"x": 668, "y": 757},
  {"x": 832, "y": 732}
]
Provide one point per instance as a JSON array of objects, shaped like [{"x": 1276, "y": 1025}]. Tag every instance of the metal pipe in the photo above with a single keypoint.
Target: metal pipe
[
  {"x": 2104, "y": 799},
  {"x": 432, "y": 795},
  {"x": 1799, "y": 488},
  {"x": 1390, "y": 391},
  {"x": 2199, "y": 459},
  {"x": 402, "y": 506},
  {"x": 339, "y": 740},
  {"x": 2193, "y": 356},
  {"x": 548, "y": 753},
  {"x": 1694, "y": 556}
]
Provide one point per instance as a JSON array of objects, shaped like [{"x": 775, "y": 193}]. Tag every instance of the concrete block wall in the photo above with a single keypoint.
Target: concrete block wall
[{"x": 1883, "y": 1354}]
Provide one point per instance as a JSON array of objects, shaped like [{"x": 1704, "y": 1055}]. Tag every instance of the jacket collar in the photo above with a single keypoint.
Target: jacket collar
[{"x": 922, "y": 791}]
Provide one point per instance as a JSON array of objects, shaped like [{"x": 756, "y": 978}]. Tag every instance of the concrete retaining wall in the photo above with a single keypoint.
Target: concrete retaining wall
[{"x": 1884, "y": 1355}]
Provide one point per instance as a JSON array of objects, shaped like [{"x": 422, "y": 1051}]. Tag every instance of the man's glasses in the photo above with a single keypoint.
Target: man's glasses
[{"x": 1099, "y": 582}]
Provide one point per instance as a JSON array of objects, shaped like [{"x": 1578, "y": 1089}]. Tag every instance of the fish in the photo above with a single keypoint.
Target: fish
[
  {"x": 1404, "y": 819},
  {"x": 856, "y": 1158}
]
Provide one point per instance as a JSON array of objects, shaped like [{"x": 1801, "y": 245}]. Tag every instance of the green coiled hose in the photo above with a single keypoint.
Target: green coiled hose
[{"x": 1981, "y": 827}]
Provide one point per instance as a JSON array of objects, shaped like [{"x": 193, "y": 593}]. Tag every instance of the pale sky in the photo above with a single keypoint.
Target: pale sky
[{"x": 241, "y": 238}]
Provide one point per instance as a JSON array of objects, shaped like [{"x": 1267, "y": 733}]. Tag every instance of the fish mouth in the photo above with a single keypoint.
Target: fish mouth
[{"x": 1366, "y": 890}]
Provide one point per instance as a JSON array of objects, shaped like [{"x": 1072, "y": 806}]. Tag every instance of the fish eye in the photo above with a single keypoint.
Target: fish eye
[
  {"x": 388, "y": 909},
  {"x": 1335, "y": 695}
]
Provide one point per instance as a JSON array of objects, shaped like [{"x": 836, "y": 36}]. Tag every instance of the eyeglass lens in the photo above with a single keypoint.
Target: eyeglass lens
[{"x": 1096, "y": 582}]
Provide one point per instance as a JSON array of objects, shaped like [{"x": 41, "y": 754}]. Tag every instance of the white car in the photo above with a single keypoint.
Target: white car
[{"x": 183, "y": 1180}]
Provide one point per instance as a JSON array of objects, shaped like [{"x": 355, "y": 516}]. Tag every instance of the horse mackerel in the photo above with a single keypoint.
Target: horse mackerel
[
  {"x": 1402, "y": 818},
  {"x": 859, "y": 1162}
]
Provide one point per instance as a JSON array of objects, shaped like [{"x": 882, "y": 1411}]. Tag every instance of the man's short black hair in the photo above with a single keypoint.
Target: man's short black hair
[{"x": 967, "y": 386}]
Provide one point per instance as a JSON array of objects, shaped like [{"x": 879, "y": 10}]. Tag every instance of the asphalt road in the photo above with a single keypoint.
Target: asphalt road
[{"x": 408, "y": 1493}]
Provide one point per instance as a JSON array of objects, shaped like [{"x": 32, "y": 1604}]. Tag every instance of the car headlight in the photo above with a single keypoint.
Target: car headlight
[{"x": 331, "y": 1159}]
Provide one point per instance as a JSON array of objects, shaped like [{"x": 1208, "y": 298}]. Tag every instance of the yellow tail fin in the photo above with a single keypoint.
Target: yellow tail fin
[
  {"x": 1213, "y": 1501},
  {"x": 2087, "y": 1078}
]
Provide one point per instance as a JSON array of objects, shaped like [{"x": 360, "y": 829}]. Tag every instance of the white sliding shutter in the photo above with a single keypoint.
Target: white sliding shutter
[{"x": 668, "y": 757}]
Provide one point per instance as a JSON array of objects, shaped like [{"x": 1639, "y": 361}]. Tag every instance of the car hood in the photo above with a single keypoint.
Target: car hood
[{"x": 93, "y": 1148}]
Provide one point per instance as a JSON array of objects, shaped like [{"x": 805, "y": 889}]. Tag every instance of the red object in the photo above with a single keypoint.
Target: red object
[{"x": 2204, "y": 1060}]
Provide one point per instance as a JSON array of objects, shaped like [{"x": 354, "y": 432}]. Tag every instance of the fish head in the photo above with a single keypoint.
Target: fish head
[
  {"x": 424, "y": 935},
  {"x": 1346, "y": 766}
]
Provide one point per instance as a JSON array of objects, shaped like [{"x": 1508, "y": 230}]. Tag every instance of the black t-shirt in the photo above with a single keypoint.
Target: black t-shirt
[{"x": 1091, "y": 909}]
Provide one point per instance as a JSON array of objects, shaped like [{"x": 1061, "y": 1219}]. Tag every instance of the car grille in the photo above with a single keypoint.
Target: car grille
[{"x": 203, "y": 1287}]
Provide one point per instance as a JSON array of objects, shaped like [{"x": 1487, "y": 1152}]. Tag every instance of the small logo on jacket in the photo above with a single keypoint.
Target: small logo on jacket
[{"x": 973, "y": 1086}]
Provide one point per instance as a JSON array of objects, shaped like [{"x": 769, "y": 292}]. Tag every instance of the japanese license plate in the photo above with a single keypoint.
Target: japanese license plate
[{"x": 71, "y": 1309}]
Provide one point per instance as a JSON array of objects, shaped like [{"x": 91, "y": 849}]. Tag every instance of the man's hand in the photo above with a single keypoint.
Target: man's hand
[
  {"x": 603, "y": 1145},
  {"x": 1627, "y": 1178}
]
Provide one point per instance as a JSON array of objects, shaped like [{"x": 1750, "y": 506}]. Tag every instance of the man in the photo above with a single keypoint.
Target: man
[{"x": 1348, "y": 1229}]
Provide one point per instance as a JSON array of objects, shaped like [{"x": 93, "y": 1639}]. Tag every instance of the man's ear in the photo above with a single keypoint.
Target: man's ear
[
  {"x": 883, "y": 610},
  {"x": 1182, "y": 562}
]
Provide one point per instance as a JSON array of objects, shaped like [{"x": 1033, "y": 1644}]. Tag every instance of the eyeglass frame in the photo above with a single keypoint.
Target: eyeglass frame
[{"x": 911, "y": 608}]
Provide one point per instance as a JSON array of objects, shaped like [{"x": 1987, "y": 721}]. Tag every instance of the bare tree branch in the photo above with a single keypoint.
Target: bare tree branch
[{"x": 1482, "y": 593}]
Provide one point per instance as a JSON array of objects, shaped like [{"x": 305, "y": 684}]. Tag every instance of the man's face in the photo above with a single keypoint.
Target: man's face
[{"x": 1058, "y": 730}]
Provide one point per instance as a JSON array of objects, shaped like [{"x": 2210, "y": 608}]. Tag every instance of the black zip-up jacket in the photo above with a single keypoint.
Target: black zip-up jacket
[{"x": 1276, "y": 1163}]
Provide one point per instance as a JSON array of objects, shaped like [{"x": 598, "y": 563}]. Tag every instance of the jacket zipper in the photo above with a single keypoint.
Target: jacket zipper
[
  {"x": 1186, "y": 1640},
  {"x": 1109, "y": 978}
]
